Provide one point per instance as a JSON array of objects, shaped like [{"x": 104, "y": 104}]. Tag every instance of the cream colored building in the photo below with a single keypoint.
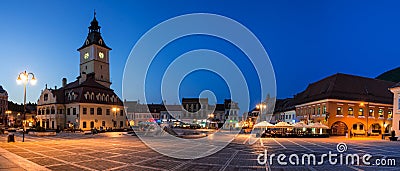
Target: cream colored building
[
  {"x": 88, "y": 102},
  {"x": 396, "y": 108}
]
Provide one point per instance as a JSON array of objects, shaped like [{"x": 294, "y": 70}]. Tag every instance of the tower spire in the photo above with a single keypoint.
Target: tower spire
[{"x": 94, "y": 25}]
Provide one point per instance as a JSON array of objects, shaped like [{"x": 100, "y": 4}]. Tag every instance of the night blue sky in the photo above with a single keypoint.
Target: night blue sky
[{"x": 305, "y": 40}]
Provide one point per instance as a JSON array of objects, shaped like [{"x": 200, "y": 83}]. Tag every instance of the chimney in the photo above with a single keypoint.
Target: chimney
[{"x": 64, "y": 82}]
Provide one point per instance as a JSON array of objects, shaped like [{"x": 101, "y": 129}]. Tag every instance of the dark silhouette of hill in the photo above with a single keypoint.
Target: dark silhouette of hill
[{"x": 391, "y": 75}]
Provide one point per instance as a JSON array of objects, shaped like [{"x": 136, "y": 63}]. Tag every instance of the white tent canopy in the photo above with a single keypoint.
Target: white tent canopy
[
  {"x": 301, "y": 125},
  {"x": 263, "y": 124},
  {"x": 318, "y": 125},
  {"x": 283, "y": 125}
]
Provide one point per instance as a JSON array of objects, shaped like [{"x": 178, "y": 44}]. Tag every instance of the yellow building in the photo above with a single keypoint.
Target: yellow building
[{"x": 348, "y": 104}]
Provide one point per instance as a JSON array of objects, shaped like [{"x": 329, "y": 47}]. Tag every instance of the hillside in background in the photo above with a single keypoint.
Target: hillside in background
[{"x": 392, "y": 75}]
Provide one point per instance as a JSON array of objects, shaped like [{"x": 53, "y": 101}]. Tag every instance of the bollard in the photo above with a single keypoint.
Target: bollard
[{"x": 10, "y": 138}]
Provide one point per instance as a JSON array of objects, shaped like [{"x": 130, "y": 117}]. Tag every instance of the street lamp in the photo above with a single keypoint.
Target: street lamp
[
  {"x": 23, "y": 78},
  {"x": 261, "y": 106},
  {"x": 366, "y": 113},
  {"x": 114, "y": 109},
  {"x": 8, "y": 112}
]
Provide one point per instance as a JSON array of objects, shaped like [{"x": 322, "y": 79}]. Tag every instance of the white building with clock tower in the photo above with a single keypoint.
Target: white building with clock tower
[{"x": 88, "y": 102}]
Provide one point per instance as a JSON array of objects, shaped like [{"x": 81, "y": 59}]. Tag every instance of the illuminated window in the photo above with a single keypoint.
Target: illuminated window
[
  {"x": 361, "y": 112},
  {"x": 350, "y": 111},
  {"x": 324, "y": 109},
  {"x": 319, "y": 110},
  {"x": 380, "y": 112},
  {"x": 339, "y": 111},
  {"x": 371, "y": 113},
  {"x": 390, "y": 114}
]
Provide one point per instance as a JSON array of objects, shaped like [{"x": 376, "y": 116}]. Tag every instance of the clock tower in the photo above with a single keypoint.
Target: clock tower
[{"x": 94, "y": 56}]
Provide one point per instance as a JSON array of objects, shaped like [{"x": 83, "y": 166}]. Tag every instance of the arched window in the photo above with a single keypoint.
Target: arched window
[
  {"x": 380, "y": 112},
  {"x": 53, "y": 111},
  {"x": 91, "y": 124},
  {"x": 99, "y": 111},
  {"x": 361, "y": 112},
  {"x": 350, "y": 111}
]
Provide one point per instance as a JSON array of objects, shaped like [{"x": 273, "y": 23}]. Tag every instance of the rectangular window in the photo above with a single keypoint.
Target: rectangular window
[
  {"x": 84, "y": 124},
  {"x": 74, "y": 111},
  {"x": 324, "y": 109},
  {"x": 92, "y": 111},
  {"x": 121, "y": 124},
  {"x": 319, "y": 110},
  {"x": 84, "y": 110},
  {"x": 99, "y": 111},
  {"x": 390, "y": 114},
  {"x": 339, "y": 111},
  {"x": 68, "y": 111},
  {"x": 121, "y": 113},
  {"x": 361, "y": 127},
  {"x": 380, "y": 112},
  {"x": 355, "y": 127},
  {"x": 108, "y": 111}
]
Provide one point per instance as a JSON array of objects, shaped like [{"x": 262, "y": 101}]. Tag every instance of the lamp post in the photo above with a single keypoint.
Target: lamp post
[
  {"x": 261, "y": 106},
  {"x": 8, "y": 112},
  {"x": 23, "y": 78},
  {"x": 210, "y": 118},
  {"x": 367, "y": 114},
  {"x": 114, "y": 109}
]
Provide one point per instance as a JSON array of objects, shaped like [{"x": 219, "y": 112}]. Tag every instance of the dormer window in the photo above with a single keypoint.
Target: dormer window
[
  {"x": 101, "y": 41},
  {"x": 86, "y": 42}
]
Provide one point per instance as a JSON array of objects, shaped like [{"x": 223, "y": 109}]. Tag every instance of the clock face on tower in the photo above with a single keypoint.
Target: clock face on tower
[
  {"x": 101, "y": 55},
  {"x": 86, "y": 56}
]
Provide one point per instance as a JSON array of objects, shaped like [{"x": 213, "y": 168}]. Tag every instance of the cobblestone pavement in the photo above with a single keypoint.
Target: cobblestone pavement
[{"x": 115, "y": 151}]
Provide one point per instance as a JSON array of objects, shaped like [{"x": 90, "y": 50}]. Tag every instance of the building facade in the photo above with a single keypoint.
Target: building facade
[
  {"x": 88, "y": 102},
  {"x": 348, "y": 104},
  {"x": 3, "y": 106},
  {"x": 285, "y": 111},
  {"x": 396, "y": 106}
]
